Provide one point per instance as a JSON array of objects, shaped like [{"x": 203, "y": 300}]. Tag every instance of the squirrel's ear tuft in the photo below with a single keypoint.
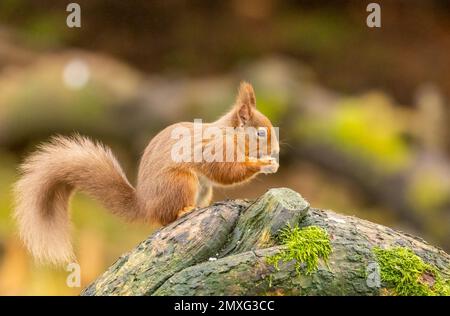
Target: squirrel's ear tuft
[
  {"x": 246, "y": 94},
  {"x": 245, "y": 102}
]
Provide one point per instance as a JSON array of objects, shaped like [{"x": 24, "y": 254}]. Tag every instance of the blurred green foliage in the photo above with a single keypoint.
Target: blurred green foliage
[
  {"x": 44, "y": 31},
  {"x": 364, "y": 127},
  {"x": 273, "y": 106},
  {"x": 317, "y": 32},
  {"x": 8, "y": 164},
  {"x": 428, "y": 190}
]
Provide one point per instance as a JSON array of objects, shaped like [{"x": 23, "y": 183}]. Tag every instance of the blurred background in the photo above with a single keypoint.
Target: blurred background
[{"x": 363, "y": 113}]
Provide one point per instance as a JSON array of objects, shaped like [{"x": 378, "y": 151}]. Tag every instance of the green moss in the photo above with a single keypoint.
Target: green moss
[
  {"x": 304, "y": 245},
  {"x": 408, "y": 275}
]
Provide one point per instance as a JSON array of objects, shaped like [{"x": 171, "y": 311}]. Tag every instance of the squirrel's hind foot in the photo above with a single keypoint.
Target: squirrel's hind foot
[{"x": 185, "y": 210}]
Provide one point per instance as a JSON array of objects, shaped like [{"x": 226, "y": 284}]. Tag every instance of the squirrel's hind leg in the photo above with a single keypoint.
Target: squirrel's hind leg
[
  {"x": 179, "y": 196},
  {"x": 204, "y": 196}
]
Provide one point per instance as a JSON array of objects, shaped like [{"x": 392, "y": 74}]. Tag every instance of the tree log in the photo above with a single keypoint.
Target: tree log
[{"x": 223, "y": 250}]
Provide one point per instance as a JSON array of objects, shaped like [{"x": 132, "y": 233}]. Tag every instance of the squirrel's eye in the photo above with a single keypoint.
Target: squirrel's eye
[{"x": 262, "y": 132}]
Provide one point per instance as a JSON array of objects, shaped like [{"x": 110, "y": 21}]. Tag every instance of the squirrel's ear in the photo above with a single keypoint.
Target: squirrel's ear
[{"x": 245, "y": 103}]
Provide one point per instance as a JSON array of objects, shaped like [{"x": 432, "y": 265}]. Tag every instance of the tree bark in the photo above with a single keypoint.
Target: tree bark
[{"x": 222, "y": 250}]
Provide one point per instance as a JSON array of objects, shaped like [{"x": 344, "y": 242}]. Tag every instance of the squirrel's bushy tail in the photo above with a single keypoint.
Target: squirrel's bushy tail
[{"x": 48, "y": 178}]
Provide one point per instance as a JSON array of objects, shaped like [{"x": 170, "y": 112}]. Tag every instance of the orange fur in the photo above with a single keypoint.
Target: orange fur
[{"x": 165, "y": 189}]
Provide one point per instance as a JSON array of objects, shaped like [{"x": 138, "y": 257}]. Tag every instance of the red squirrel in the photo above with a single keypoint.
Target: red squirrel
[{"x": 165, "y": 190}]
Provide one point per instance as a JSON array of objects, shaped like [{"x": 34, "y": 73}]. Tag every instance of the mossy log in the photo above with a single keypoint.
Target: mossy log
[{"x": 224, "y": 249}]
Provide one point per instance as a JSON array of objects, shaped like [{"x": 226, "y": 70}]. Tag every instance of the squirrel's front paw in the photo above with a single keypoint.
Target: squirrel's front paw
[{"x": 272, "y": 167}]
